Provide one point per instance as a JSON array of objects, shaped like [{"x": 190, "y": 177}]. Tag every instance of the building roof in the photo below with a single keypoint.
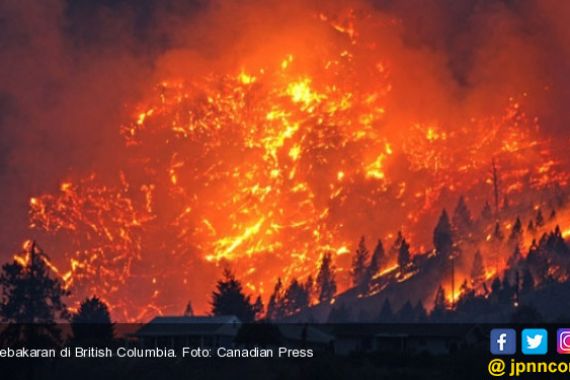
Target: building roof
[
  {"x": 186, "y": 326},
  {"x": 297, "y": 332}
]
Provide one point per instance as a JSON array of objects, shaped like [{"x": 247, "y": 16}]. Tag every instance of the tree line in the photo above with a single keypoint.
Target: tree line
[{"x": 32, "y": 294}]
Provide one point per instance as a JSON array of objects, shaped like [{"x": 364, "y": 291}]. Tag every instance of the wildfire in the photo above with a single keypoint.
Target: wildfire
[{"x": 267, "y": 170}]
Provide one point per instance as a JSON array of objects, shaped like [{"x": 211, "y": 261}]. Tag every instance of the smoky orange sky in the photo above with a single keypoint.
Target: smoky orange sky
[{"x": 72, "y": 73}]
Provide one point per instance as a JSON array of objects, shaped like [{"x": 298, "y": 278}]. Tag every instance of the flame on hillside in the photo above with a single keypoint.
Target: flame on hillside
[{"x": 266, "y": 168}]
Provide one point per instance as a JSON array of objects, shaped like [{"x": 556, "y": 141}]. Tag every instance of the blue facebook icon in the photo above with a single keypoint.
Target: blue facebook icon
[{"x": 503, "y": 341}]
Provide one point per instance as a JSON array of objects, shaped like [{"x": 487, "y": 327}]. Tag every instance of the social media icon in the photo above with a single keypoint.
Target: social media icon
[
  {"x": 563, "y": 341},
  {"x": 534, "y": 341},
  {"x": 504, "y": 341}
]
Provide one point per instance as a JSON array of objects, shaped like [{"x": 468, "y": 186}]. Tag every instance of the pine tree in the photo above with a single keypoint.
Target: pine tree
[
  {"x": 498, "y": 232},
  {"x": 258, "y": 308},
  {"x": 462, "y": 216},
  {"x": 531, "y": 228},
  {"x": 326, "y": 283},
  {"x": 359, "y": 261},
  {"x": 537, "y": 261},
  {"x": 386, "y": 314},
  {"x": 92, "y": 322},
  {"x": 229, "y": 299},
  {"x": 527, "y": 282},
  {"x": 440, "y": 302},
  {"x": 507, "y": 294},
  {"x": 516, "y": 232},
  {"x": 478, "y": 268},
  {"x": 377, "y": 260},
  {"x": 555, "y": 243},
  {"x": 496, "y": 286},
  {"x": 420, "y": 312},
  {"x": 486, "y": 212},
  {"x": 464, "y": 288},
  {"x": 275, "y": 306},
  {"x": 552, "y": 215},
  {"x": 539, "y": 219},
  {"x": 442, "y": 236},
  {"x": 404, "y": 256},
  {"x": 517, "y": 287},
  {"x": 395, "y": 249},
  {"x": 440, "y": 305},
  {"x": 295, "y": 298},
  {"x": 406, "y": 313},
  {"x": 31, "y": 294},
  {"x": 310, "y": 289},
  {"x": 189, "y": 311},
  {"x": 515, "y": 258}
]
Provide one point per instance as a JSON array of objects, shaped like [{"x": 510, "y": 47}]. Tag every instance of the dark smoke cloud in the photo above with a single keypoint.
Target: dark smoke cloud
[
  {"x": 66, "y": 71},
  {"x": 495, "y": 49}
]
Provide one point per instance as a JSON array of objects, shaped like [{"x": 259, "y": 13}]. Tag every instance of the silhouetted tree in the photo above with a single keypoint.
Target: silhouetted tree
[
  {"x": 31, "y": 294},
  {"x": 478, "y": 268},
  {"x": 275, "y": 305},
  {"x": 295, "y": 298},
  {"x": 498, "y": 233},
  {"x": 92, "y": 322},
  {"x": 406, "y": 313},
  {"x": 395, "y": 249},
  {"x": 531, "y": 228},
  {"x": 539, "y": 221},
  {"x": 404, "y": 256},
  {"x": 442, "y": 235},
  {"x": 552, "y": 215},
  {"x": 496, "y": 287},
  {"x": 420, "y": 312},
  {"x": 537, "y": 262},
  {"x": 377, "y": 260},
  {"x": 189, "y": 310},
  {"x": 359, "y": 261},
  {"x": 386, "y": 313},
  {"x": 514, "y": 260},
  {"x": 229, "y": 299},
  {"x": 258, "y": 308},
  {"x": 555, "y": 243},
  {"x": 507, "y": 293},
  {"x": 527, "y": 282},
  {"x": 486, "y": 212},
  {"x": 464, "y": 288},
  {"x": 440, "y": 305},
  {"x": 462, "y": 217},
  {"x": 516, "y": 232},
  {"x": 517, "y": 288},
  {"x": 326, "y": 283},
  {"x": 310, "y": 289}
]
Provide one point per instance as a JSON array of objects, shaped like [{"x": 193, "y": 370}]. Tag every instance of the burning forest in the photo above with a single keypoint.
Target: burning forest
[{"x": 289, "y": 152}]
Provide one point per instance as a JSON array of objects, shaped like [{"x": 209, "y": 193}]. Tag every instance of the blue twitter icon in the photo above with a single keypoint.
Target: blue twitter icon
[{"x": 534, "y": 341}]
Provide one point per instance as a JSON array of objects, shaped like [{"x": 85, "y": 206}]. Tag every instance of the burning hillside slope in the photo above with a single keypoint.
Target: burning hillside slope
[{"x": 265, "y": 167}]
